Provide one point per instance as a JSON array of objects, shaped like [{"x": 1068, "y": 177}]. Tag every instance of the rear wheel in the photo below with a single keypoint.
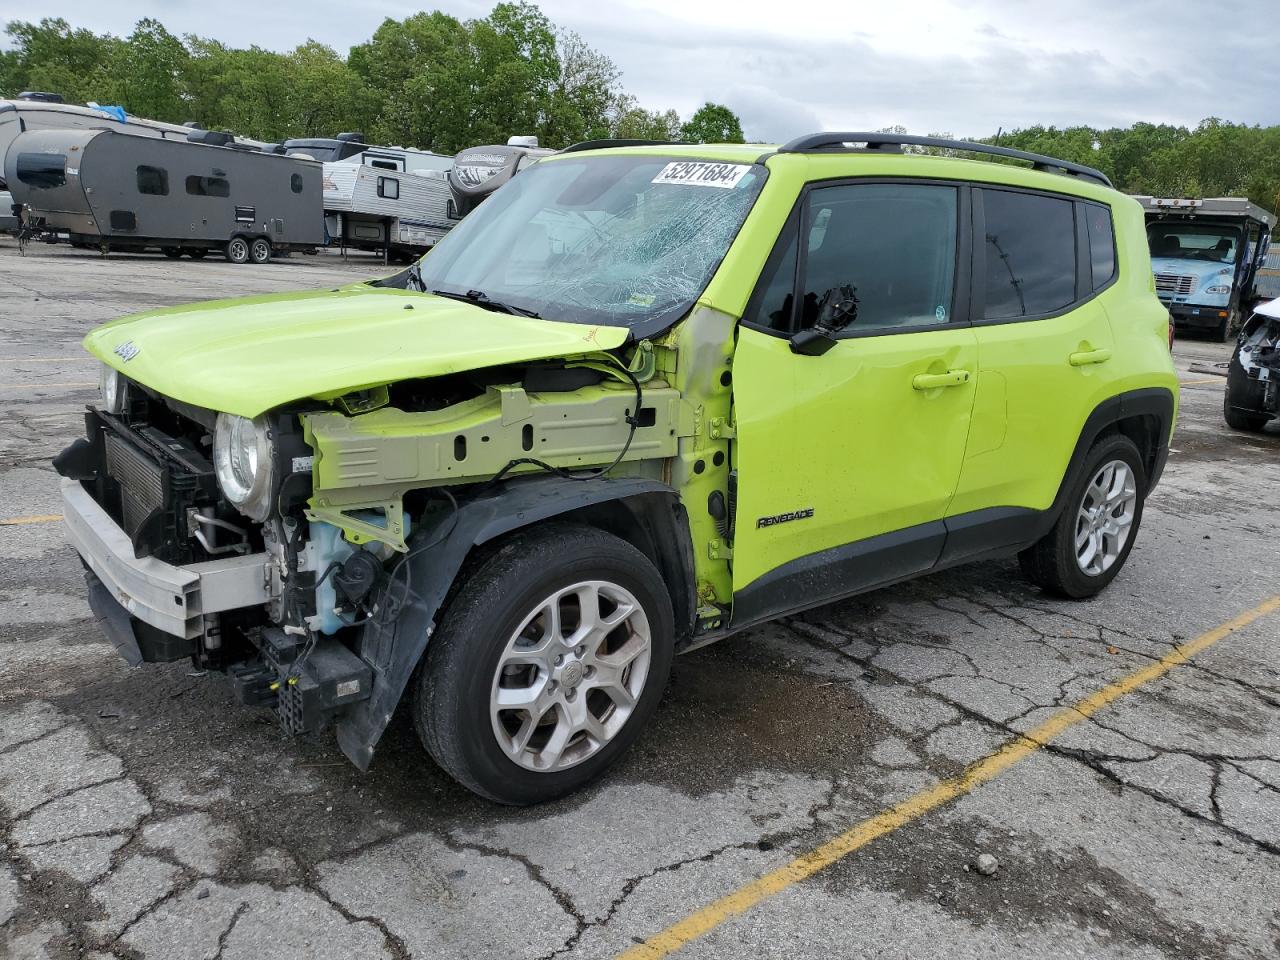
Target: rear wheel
[
  {"x": 1092, "y": 538},
  {"x": 547, "y": 664},
  {"x": 237, "y": 250},
  {"x": 260, "y": 251},
  {"x": 197, "y": 253}
]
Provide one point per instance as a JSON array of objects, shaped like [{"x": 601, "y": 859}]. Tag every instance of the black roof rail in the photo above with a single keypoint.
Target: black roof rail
[
  {"x": 835, "y": 142},
  {"x": 605, "y": 144}
]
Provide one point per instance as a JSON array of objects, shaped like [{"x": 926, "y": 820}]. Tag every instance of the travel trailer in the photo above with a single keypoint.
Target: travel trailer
[
  {"x": 30, "y": 114},
  {"x": 478, "y": 171},
  {"x": 327, "y": 149},
  {"x": 115, "y": 191},
  {"x": 388, "y": 199}
]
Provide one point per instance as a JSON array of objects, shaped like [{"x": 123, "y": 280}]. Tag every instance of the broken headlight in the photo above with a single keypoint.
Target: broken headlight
[
  {"x": 114, "y": 387},
  {"x": 242, "y": 462}
]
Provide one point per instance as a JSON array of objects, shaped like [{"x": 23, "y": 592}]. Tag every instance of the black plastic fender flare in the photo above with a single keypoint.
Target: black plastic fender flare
[{"x": 393, "y": 650}]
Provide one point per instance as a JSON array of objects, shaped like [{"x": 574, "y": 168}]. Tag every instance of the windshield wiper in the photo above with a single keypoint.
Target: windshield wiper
[{"x": 481, "y": 299}]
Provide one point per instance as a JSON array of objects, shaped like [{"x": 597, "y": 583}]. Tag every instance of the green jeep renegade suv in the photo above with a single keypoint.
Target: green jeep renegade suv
[{"x": 642, "y": 398}]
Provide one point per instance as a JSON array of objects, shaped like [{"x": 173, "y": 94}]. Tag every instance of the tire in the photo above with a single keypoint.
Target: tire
[
  {"x": 1240, "y": 420},
  {"x": 260, "y": 251},
  {"x": 197, "y": 253},
  {"x": 173, "y": 253},
  {"x": 484, "y": 641},
  {"x": 237, "y": 250},
  {"x": 1054, "y": 563}
]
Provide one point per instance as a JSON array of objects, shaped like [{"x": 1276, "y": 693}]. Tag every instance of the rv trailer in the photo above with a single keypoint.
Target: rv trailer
[
  {"x": 478, "y": 171},
  {"x": 30, "y": 114},
  {"x": 388, "y": 199},
  {"x": 121, "y": 192},
  {"x": 327, "y": 149}
]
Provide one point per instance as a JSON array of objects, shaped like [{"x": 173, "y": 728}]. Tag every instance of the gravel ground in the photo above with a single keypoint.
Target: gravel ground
[{"x": 144, "y": 814}]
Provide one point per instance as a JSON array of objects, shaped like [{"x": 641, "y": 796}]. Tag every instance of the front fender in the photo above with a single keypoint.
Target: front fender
[{"x": 394, "y": 649}]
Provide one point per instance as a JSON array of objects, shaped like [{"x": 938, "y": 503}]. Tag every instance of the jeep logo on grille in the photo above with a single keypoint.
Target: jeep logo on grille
[{"x": 127, "y": 351}]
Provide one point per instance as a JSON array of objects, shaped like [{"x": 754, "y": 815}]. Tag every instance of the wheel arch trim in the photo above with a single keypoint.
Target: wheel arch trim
[{"x": 394, "y": 650}]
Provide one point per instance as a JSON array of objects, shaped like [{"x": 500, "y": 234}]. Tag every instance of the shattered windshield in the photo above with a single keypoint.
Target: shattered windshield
[
  {"x": 1203, "y": 242},
  {"x": 619, "y": 240}
]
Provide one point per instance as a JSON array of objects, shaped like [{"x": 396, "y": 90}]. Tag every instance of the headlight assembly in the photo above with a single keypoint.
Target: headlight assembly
[
  {"x": 243, "y": 464},
  {"x": 114, "y": 388}
]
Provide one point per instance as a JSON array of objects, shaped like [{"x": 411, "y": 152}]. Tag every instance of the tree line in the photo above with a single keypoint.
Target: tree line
[
  {"x": 439, "y": 83},
  {"x": 430, "y": 81}
]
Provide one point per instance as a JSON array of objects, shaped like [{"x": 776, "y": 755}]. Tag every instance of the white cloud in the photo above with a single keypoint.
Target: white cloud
[{"x": 967, "y": 67}]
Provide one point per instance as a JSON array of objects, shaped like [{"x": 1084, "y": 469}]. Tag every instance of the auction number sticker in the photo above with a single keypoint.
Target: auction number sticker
[{"x": 699, "y": 173}]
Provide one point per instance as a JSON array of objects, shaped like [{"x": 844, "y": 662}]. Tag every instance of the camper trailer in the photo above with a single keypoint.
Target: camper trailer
[
  {"x": 327, "y": 149},
  {"x": 28, "y": 113},
  {"x": 478, "y": 171},
  {"x": 389, "y": 199},
  {"x": 119, "y": 192}
]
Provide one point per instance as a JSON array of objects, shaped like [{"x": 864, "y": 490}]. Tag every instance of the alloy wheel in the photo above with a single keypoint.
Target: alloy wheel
[
  {"x": 570, "y": 677},
  {"x": 1105, "y": 518}
]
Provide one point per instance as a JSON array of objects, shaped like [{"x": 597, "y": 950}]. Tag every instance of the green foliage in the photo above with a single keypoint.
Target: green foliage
[
  {"x": 1216, "y": 159},
  {"x": 712, "y": 123},
  {"x": 429, "y": 80}
]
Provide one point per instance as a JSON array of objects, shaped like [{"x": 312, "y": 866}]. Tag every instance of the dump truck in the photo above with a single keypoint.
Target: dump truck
[{"x": 1206, "y": 255}]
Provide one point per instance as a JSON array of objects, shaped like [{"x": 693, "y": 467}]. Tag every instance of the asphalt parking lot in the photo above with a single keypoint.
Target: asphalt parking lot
[{"x": 144, "y": 814}]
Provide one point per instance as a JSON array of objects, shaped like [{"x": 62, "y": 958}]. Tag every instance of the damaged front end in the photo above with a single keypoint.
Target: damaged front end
[
  {"x": 1253, "y": 375},
  {"x": 286, "y": 550}
]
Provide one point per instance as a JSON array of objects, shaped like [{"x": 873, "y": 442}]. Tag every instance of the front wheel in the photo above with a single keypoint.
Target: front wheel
[
  {"x": 547, "y": 664},
  {"x": 1091, "y": 540},
  {"x": 238, "y": 250},
  {"x": 1241, "y": 420}
]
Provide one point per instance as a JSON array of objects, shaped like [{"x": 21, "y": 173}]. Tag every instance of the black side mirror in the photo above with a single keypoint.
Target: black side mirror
[{"x": 836, "y": 310}]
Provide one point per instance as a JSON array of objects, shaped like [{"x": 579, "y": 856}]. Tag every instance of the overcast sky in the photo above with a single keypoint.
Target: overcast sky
[{"x": 787, "y": 67}]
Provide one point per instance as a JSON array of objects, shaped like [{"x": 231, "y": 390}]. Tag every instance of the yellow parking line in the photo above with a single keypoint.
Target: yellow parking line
[
  {"x": 1192, "y": 383},
  {"x": 744, "y": 898},
  {"x": 21, "y": 521},
  {"x": 23, "y": 386}
]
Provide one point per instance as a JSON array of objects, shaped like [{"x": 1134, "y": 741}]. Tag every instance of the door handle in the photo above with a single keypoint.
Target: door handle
[
  {"x": 931, "y": 381},
  {"x": 1086, "y": 357}
]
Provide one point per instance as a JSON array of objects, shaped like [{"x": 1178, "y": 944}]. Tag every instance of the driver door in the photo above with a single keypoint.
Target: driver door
[{"x": 847, "y": 461}]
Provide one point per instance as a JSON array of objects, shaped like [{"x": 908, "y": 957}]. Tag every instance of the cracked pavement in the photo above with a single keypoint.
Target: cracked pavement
[{"x": 144, "y": 814}]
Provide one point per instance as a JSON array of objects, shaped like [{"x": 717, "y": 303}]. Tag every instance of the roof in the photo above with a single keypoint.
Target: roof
[{"x": 825, "y": 164}]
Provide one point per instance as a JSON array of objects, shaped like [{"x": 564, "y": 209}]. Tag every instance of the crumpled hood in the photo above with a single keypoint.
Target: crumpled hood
[{"x": 249, "y": 355}]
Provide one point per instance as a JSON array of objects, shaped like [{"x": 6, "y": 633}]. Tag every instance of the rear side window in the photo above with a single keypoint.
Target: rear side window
[
  {"x": 208, "y": 187},
  {"x": 1102, "y": 243},
  {"x": 153, "y": 181},
  {"x": 42, "y": 171},
  {"x": 1030, "y": 254}
]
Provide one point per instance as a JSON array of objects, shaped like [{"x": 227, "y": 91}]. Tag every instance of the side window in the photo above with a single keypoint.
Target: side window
[
  {"x": 389, "y": 188},
  {"x": 42, "y": 170},
  {"x": 295, "y": 182},
  {"x": 1102, "y": 243},
  {"x": 384, "y": 164},
  {"x": 1030, "y": 253},
  {"x": 153, "y": 181},
  {"x": 208, "y": 187},
  {"x": 772, "y": 303},
  {"x": 893, "y": 245}
]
